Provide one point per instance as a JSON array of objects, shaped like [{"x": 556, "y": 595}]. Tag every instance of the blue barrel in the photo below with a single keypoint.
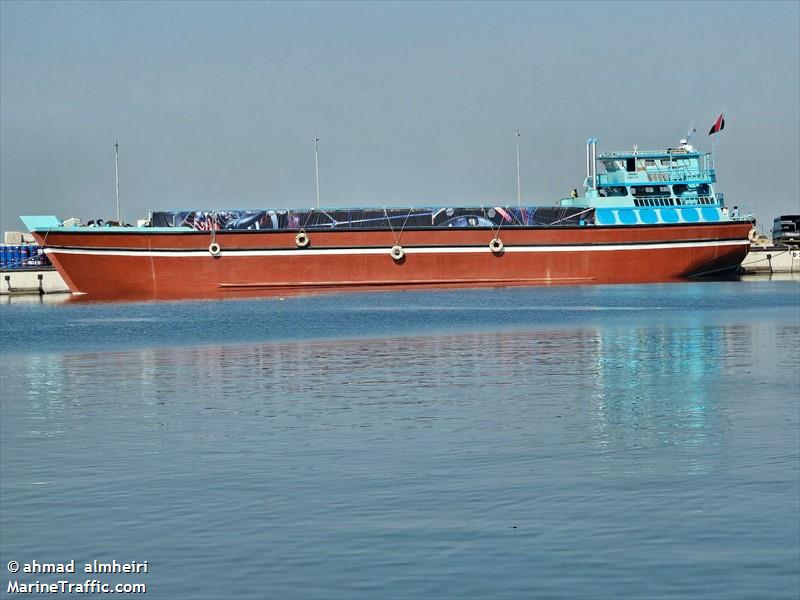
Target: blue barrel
[
  {"x": 15, "y": 257},
  {"x": 3, "y": 257},
  {"x": 25, "y": 255}
]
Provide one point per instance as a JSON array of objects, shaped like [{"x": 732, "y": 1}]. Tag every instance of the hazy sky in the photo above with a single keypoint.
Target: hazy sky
[{"x": 217, "y": 105}]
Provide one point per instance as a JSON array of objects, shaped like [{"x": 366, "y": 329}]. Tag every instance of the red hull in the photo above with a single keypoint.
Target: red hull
[{"x": 139, "y": 264}]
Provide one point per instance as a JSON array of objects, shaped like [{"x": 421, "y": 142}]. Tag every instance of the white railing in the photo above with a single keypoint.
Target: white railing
[
  {"x": 681, "y": 152},
  {"x": 656, "y": 176}
]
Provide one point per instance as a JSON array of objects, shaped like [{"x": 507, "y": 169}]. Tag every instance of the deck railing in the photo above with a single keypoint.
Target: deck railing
[
  {"x": 657, "y": 176},
  {"x": 678, "y": 153}
]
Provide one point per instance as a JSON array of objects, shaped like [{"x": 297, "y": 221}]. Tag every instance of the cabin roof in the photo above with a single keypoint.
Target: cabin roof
[{"x": 668, "y": 153}]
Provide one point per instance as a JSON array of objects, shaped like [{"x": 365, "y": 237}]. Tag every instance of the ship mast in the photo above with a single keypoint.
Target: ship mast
[
  {"x": 519, "y": 190},
  {"x": 316, "y": 165},
  {"x": 116, "y": 173}
]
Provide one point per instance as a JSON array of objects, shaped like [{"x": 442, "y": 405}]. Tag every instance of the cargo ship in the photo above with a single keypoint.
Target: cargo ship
[{"x": 649, "y": 216}]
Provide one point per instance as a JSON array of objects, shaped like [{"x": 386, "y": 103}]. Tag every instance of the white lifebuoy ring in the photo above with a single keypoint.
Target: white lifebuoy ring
[
  {"x": 302, "y": 240},
  {"x": 753, "y": 234},
  {"x": 496, "y": 245},
  {"x": 397, "y": 253},
  {"x": 214, "y": 249}
]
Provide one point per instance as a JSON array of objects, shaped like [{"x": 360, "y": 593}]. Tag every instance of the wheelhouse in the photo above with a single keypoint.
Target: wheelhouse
[{"x": 680, "y": 181}]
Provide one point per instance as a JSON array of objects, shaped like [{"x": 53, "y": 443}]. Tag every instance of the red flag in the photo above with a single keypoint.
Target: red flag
[{"x": 718, "y": 126}]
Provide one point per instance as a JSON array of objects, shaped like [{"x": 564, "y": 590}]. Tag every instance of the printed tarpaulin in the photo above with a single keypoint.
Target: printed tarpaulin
[{"x": 374, "y": 218}]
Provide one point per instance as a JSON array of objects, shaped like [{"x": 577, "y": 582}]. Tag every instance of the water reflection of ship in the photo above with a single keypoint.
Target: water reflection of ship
[
  {"x": 636, "y": 385},
  {"x": 657, "y": 386}
]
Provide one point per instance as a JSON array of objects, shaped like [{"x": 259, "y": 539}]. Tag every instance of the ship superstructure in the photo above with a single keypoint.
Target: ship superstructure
[{"x": 648, "y": 187}]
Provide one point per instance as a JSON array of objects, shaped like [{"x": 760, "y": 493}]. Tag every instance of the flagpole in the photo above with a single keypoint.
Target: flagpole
[
  {"x": 714, "y": 150},
  {"x": 519, "y": 189}
]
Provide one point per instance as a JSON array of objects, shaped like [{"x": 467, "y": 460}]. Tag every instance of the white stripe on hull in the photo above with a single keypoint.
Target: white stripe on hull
[{"x": 409, "y": 250}]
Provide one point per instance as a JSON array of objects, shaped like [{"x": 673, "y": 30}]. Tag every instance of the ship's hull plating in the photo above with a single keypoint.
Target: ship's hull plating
[{"x": 140, "y": 265}]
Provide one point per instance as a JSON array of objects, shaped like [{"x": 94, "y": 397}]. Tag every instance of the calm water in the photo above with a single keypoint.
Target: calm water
[{"x": 586, "y": 442}]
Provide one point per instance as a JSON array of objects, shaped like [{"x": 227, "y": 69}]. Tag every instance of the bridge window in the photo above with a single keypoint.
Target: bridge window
[
  {"x": 662, "y": 190},
  {"x": 615, "y": 190}
]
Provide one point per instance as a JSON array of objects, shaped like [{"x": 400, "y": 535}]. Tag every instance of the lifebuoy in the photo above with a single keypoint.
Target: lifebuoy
[
  {"x": 397, "y": 253},
  {"x": 753, "y": 235},
  {"x": 214, "y": 249},
  {"x": 302, "y": 240},
  {"x": 496, "y": 245}
]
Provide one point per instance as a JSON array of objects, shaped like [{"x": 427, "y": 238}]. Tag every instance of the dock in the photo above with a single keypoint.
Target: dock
[
  {"x": 31, "y": 281},
  {"x": 771, "y": 259}
]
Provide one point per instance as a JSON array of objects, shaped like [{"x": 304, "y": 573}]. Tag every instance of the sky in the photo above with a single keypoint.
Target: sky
[{"x": 216, "y": 105}]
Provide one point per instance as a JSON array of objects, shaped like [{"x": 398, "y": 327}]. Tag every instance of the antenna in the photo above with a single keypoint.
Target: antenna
[
  {"x": 519, "y": 189},
  {"x": 116, "y": 173},
  {"x": 690, "y": 133},
  {"x": 316, "y": 164}
]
